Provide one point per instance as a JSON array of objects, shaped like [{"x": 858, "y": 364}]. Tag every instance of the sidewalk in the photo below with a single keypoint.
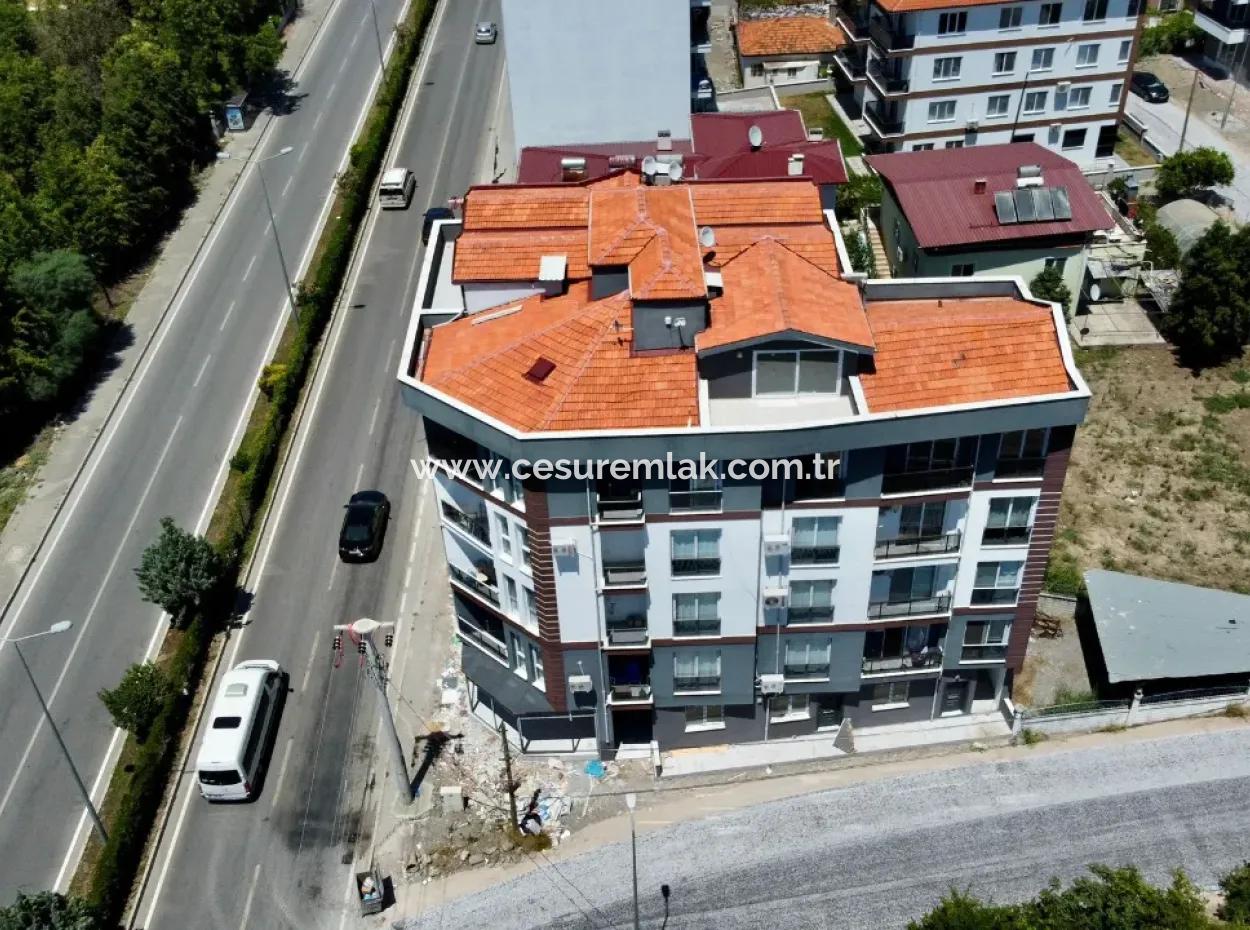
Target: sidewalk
[{"x": 31, "y": 524}]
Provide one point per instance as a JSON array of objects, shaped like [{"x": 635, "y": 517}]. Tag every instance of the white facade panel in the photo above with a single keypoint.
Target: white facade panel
[
  {"x": 737, "y": 580},
  {"x": 974, "y": 551},
  {"x": 576, "y": 579}
]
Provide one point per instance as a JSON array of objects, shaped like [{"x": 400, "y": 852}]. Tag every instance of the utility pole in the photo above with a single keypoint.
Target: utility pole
[
  {"x": 1240, "y": 63},
  {"x": 375, "y": 668},
  {"x": 1188, "y": 106},
  {"x": 631, "y": 801},
  {"x": 507, "y": 774}
]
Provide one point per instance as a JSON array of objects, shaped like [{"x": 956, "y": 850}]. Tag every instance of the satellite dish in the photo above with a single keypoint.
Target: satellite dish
[
  {"x": 1094, "y": 292},
  {"x": 675, "y": 171},
  {"x": 650, "y": 166},
  {"x": 755, "y": 136},
  {"x": 707, "y": 237}
]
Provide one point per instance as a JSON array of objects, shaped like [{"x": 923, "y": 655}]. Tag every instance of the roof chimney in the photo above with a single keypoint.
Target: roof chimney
[
  {"x": 664, "y": 141},
  {"x": 978, "y": 186},
  {"x": 795, "y": 165}
]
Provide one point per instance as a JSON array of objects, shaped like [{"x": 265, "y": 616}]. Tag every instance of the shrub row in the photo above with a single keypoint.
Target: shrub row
[{"x": 141, "y": 782}]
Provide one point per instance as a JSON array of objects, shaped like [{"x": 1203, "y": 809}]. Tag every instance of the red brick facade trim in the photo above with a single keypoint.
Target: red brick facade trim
[{"x": 542, "y": 568}]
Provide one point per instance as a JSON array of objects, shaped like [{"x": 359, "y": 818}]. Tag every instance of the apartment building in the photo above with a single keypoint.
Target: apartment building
[
  {"x": 940, "y": 74},
  {"x": 887, "y": 573},
  {"x": 1224, "y": 23}
]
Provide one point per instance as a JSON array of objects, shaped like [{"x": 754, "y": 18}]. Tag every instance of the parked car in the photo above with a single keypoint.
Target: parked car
[
  {"x": 485, "y": 34},
  {"x": 1149, "y": 87},
  {"x": 432, "y": 216},
  {"x": 364, "y": 526}
]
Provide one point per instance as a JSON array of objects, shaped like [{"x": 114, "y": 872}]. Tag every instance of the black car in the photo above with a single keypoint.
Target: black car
[
  {"x": 432, "y": 216},
  {"x": 1149, "y": 87},
  {"x": 364, "y": 526}
]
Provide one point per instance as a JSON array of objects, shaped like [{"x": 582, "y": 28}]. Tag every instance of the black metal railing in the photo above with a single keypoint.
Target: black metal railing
[
  {"x": 933, "y": 604},
  {"x": 887, "y": 37},
  {"x": 807, "y": 669},
  {"x": 887, "y": 78},
  {"x": 986, "y": 653},
  {"x": 917, "y": 545},
  {"x": 624, "y": 573},
  {"x": 885, "y": 125},
  {"x": 855, "y": 25},
  {"x": 475, "y": 584},
  {"x": 483, "y": 639},
  {"x": 814, "y": 555},
  {"x": 473, "y": 524},
  {"x": 817, "y": 614},
  {"x": 696, "y": 683},
  {"x": 995, "y": 595},
  {"x": 679, "y": 501},
  {"x": 904, "y": 482},
  {"x": 686, "y": 568},
  {"x": 1006, "y": 535},
  {"x": 627, "y": 507},
  {"x": 628, "y": 630},
  {"x": 930, "y": 658},
  {"x": 702, "y": 627},
  {"x": 1019, "y": 468},
  {"x": 852, "y": 66}
]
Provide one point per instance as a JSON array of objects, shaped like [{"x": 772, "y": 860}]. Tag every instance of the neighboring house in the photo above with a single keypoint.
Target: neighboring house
[
  {"x": 993, "y": 210},
  {"x": 1224, "y": 22},
  {"x": 787, "y": 49},
  {"x": 896, "y": 581},
  {"x": 576, "y": 75},
  {"x": 954, "y": 73},
  {"x": 724, "y": 146}
]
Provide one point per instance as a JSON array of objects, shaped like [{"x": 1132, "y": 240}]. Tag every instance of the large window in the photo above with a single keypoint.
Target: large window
[
  {"x": 696, "y": 552},
  {"x": 1074, "y": 139},
  {"x": 891, "y": 696},
  {"x": 926, "y": 466},
  {"x": 810, "y": 602},
  {"x": 1035, "y": 101},
  {"x": 904, "y": 592},
  {"x": 1010, "y": 17},
  {"x": 1043, "y": 59},
  {"x": 536, "y": 666},
  {"x": 512, "y": 603},
  {"x": 997, "y": 105},
  {"x": 963, "y": 270},
  {"x": 942, "y": 111},
  {"x": 1009, "y": 521},
  {"x": 814, "y": 541},
  {"x": 531, "y": 608},
  {"x": 997, "y": 582},
  {"x": 696, "y": 671},
  {"x": 1095, "y": 11},
  {"x": 903, "y": 648},
  {"x": 696, "y": 614},
  {"x": 694, "y": 494},
  {"x": 1126, "y": 49},
  {"x": 1087, "y": 55},
  {"x": 705, "y": 717},
  {"x": 1050, "y": 14},
  {"x": 946, "y": 69},
  {"x": 807, "y": 659},
  {"x": 952, "y": 23},
  {"x": 1004, "y": 62},
  {"x": 1078, "y": 98},
  {"x": 986, "y": 640},
  {"x": 1022, "y": 454},
  {"x": 1114, "y": 97},
  {"x": 788, "y": 708},
  {"x": 806, "y": 371},
  {"x": 505, "y": 536},
  {"x": 919, "y": 532}
]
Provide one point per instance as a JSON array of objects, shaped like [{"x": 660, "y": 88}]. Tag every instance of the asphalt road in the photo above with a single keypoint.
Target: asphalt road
[
  {"x": 164, "y": 454},
  {"x": 876, "y": 855},
  {"x": 280, "y": 862}
]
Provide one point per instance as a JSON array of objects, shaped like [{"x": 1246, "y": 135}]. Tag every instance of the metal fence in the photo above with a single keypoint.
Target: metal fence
[
  {"x": 1195, "y": 694},
  {"x": 1093, "y": 715}
]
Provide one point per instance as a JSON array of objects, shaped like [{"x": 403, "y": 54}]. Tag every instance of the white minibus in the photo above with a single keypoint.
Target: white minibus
[
  {"x": 395, "y": 191},
  {"x": 239, "y": 730}
]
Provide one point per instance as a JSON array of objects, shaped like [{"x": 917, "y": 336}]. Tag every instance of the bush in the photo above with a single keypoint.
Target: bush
[
  {"x": 1236, "y": 887},
  {"x": 1161, "y": 248},
  {"x": 138, "y": 699},
  {"x": 178, "y": 571},
  {"x": 47, "y": 910},
  {"x": 1186, "y": 173},
  {"x": 861, "y": 190},
  {"x": 1171, "y": 36},
  {"x": 1049, "y": 285},
  {"x": 860, "y": 253},
  {"x": 1209, "y": 316}
]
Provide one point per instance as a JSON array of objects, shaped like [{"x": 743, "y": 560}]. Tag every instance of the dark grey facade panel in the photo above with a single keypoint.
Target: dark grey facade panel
[
  {"x": 845, "y": 658},
  {"x": 743, "y": 724},
  {"x": 737, "y": 675},
  {"x": 667, "y": 324},
  {"x": 606, "y": 282},
  {"x": 568, "y": 499},
  {"x": 919, "y": 705},
  {"x": 951, "y": 658},
  {"x": 987, "y": 456},
  {"x": 862, "y": 469}
]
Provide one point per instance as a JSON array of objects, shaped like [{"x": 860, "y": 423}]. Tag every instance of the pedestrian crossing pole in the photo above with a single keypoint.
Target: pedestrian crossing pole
[{"x": 362, "y": 631}]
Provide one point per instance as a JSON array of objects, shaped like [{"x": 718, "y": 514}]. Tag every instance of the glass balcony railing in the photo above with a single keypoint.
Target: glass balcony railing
[
  {"x": 708, "y": 626},
  {"x": 1019, "y": 468},
  {"x": 917, "y": 606},
  {"x": 629, "y": 691},
  {"x": 1006, "y": 535},
  {"x": 477, "y": 583},
  {"x": 689, "y": 568},
  {"x": 814, "y": 555},
  {"x": 983, "y": 596},
  {"x": 806, "y": 669},
  {"x": 627, "y": 574},
  {"x": 696, "y": 683},
  {"x": 990, "y": 652},
  {"x": 796, "y": 616},
  {"x": 903, "y": 546},
  {"x": 887, "y": 80},
  {"x": 929, "y": 658},
  {"x": 619, "y": 508},
  {"x": 630, "y": 630},
  {"x": 473, "y": 524},
  {"x": 889, "y": 38},
  {"x": 905, "y": 482}
]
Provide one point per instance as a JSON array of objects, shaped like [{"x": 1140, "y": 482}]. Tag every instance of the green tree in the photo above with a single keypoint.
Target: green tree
[
  {"x": 178, "y": 571},
  {"x": 861, "y": 190},
  {"x": 1161, "y": 248},
  {"x": 24, "y": 110},
  {"x": 1173, "y": 34},
  {"x": 87, "y": 205},
  {"x": 1048, "y": 284},
  {"x": 75, "y": 104},
  {"x": 961, "y": 911},
  {"x": 16, "y": 31},
  {"x": 1186, "y": 173},
  {"x": 1118, "y": 899},
  {"x": 47, "y": 910},
  {"x": 78, "y": 34},
  {"x": 137, "y": 700},
  {"x": 1236, "y": 888},
  {"x": 261, "y": 52},
  {"x": 54, "y": 329},
  {"x": 860, "y": 253},
  {"x": 1209, "y": 317},
  {"x": 57, "y": 281}
]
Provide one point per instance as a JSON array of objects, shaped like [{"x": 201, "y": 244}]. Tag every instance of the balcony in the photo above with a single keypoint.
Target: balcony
[
  {"x": 624, "y": 574},
  {"x": 817, "y": 614},
  {"x": 704, "y": 627},
  {"x": 479, "y": 583},
  {"x": 992, "y": 652},
  {"x": 484, "y": 639},
  {"x": 888, "y": 38},
  {"x": 1208, "y": 20},
  {"x": 854, "y": 25},
  {"x": 473, "y": 524},
  {"x": 881, "y": 124},
  {"x": 912, "y": 546},
  {"x": 630, "y": 630},
  {"x": 914, "y": 607},
  {"x": 629, "y": 679},
  {"x": 620, "y": 508},
  {"x": 682, "y": 501},
  {"x": 1006, "y": 535},
  {"x": 693, "y": 568},
  {"x": 935, "y": 479},
  {"x": 814, "y": 555},
  {"x": 851, "y": 66},
  {"x": 689, "y": 683},
  {"x": 628, "y": 693},
  {"x": 914, "y": 661},
  {"x": 984, "y": 597},
  {"x": 809, "y": 671},
  {"x": 887, "y": 79},
  {"x": 1019, "y": 468}
]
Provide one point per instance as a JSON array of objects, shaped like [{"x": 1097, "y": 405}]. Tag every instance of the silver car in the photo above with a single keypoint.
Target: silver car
[{"x": 485, "y": 34}]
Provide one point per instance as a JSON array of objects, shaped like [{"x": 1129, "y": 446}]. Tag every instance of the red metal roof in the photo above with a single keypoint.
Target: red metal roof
[
  {"x": 936, "y": 190},
  {"x": 726, "y": 133},
  {"x": 540, "y": 164}
]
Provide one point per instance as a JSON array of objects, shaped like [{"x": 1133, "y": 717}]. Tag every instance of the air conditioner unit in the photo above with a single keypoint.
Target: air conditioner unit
[
  {"x": 777, "y": 545},
  {"x": 973, "y": 125},
  {"x": 1063, "y": 85},
  {"x": 776, "y": 598},
  {"x": 772, "y": 684},
  {"x": 581, "y": 684},
  {"x": 563, "y": 548}
]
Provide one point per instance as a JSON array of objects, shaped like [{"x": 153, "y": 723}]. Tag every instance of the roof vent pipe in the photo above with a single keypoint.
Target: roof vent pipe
[
  {"x": 795, "y": 165},
  {"x": 664, "y": 141},
  {"x": 978, "y": 186}
]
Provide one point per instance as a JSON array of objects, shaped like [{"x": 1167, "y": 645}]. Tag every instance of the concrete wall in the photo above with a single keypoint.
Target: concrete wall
[
  {"x": 799, "y": 70},
  {"x": 579, "y": 72}
]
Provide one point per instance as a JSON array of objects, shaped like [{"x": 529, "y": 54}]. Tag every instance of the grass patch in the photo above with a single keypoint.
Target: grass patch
[
  {"x": 1133, "y": 151},
  {"x": 818, "y": 114},
  {"x": 1237, "y": 711},
  {"x": 16, "y": 478},
  {"x": 1032, "y": 737}
]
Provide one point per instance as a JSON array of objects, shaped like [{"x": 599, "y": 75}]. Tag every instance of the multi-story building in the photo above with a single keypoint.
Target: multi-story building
[
  {"x": 887, "y": 571},
  {"x": 1224, "y": 22},
  {"x": 942, "y": 74}
]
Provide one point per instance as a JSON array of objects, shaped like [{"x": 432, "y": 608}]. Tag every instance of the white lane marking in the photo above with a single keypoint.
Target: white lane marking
[
  {"x": 277, "y": 788},
  {"x": 252, "y": 264},
  {"x": 360, "y": 472},
  {"x": 373, "y": 420},
  {"x": 345, "y": 59},
  {"x": 317, "y": 121},
  {"x": 302, "y": 152},
  {"x": 287, "y": 186},
  {"x": 208, "y": 358},
  {"x": 333, "y": 572},
  {"x": 251, "y": 894},
  {"x": 312, "y": 658},
  {"x": 226, "y": 318},
  {"x": 81, "y": 628},
  {"x": 330, "y": 92}
]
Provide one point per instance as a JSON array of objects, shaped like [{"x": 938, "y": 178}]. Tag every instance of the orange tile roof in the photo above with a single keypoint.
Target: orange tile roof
[
  {"x": 770, "y": 291},
  {"x": 482, "y": 361},
  {"x": 933, "y": 354},
  {"x": 505, "y": 256},
  {"x": 756, "y": 203},
  {"x": 789, "y": 35},
  {"x": 553, "y": 207},
  {"x": 815, "y": 243}
]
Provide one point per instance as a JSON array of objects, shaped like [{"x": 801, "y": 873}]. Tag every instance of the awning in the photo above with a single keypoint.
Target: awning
[{"x": 514, "y": 693}]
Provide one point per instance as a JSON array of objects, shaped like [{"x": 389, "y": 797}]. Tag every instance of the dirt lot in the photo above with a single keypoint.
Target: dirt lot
[
  {"x": 1210, "y": 96},
  {"x": 1159, "y": 482}
]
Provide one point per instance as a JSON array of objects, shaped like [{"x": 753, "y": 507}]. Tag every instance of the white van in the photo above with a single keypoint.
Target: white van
[
  {"x": 237, "y": 735},
  {"x": 395, "y": 191}
]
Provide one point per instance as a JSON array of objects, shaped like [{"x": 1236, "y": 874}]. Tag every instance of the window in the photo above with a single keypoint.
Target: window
[
  {"x": 1087, "y": 55},
  {"x": 1134, "y": 7},
  {"x": 1074, "y": 139},
  {"x": 705, "y": 717},
  {"x": 531, "y": 607},
  {"x": 757, "y": 70},
  {"x": 502, "y": 483},
  {"x": 505, "y": 536},
  {"x": 1010, "y": 17},
  {"x": 525, "y": 548},
  {"x": 536, "y": 663},
  {"x": 1008, "y": 521},
  {"x": 918, "y": 532},
  {"x": 905, "y": 592},
  {"x": 696, "y": 614},
  {"x": 258, "y": 727},
  {"x": 1021, "y": 454},
  {"x": 952, "y": 23},
  {"x": 1004, "y": 62},
  {"x": 814, "y": 541},
  {"x": 928, "y": 466},
  {"x": 996, "y": 582},
  {"x": 1035, "y": 101},
  {"x": 696, "y": 552},
  {"x": 811, "y": 371},
  {"x": 942, "y": 111},
  {"x": 986, "y": 640},
  {"x": 511, "y": 604},
  {"x": 946, "y": 69},
  {"x": 807, "y": 659},
  {"x": 1114, "y": 97},
  {"x": 963, "y": 270},
  {"x": 890, "y": 696},
  {"x": 1078, "y": 98},
  {"x": 905, "y": 648},
  {"x": 694, "y": 494},
  {"x": 1049, "y": 14},
  {"x": 922, "y": 147},
  {"x": 696, "y": 671},
  {"x": 955, "y": 144},
  {"x": 787, "y": 708},
  {"x": 1126, "y": 49},
  {"x": 997, "y": 105},
  {"x": 810, "y": 602},
  {"x": 1095, "y": 10},
  {"x": 1057, "y": 263},
  {"x": 519, "y": 665},
  {"x": 1043, "y": 59}
]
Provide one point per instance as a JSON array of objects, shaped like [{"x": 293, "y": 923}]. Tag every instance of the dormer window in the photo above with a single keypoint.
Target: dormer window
[{"x": 785, "y": 373}]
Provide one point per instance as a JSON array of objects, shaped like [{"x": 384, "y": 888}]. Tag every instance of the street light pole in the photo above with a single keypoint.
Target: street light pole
[
  {"x": 47, "y": 716},
  {"x": 631, "y": 801},
  {"x": 273, "y": 224},
  {"x": 377, "y": 33}
]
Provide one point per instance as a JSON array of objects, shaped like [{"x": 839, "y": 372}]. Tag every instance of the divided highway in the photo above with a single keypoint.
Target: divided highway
[
  {"x": 165, "y": 452},
  {"x": 280, "y": 861}
]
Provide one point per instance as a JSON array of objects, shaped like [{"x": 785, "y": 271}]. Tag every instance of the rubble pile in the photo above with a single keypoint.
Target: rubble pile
[{"x": 784, "y": 10}]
